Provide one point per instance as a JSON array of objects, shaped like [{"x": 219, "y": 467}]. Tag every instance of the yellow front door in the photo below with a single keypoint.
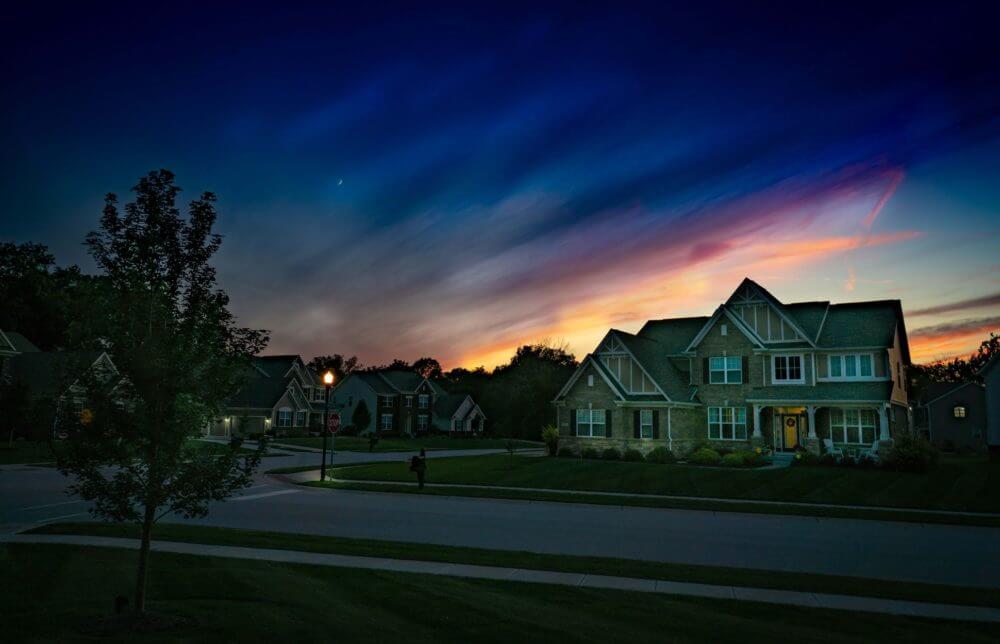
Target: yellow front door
[{"x": 791, "y": 429}]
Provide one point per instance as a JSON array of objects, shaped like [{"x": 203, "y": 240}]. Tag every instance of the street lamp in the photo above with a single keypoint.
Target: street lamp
[{"x": 327, "y": 383}]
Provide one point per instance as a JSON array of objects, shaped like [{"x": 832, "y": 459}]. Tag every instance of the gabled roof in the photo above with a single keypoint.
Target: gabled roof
[
  {"x": 266, "y": 381},
  {"x": 864, "y": 324},
  {"x": 401, "y": 381},
  {"x": 48, "y": 374},
  {"x": 651, "y": 355},
  {"x": 779, "y": 308},
  {"x": 809, "y": 316},
  {"x": 445, "y": 406},
  {"x": 14, "y": 341},
  {"x": 589, "y": 359},
  {"x": 673, "y": 334},
  {"x": 829, "y": 391},
  {"x": 935, "y": 391}
]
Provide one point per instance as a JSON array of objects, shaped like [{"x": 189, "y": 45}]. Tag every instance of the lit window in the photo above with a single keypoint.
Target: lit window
[
  {"x": 646, "y": 423},
  {"x": 727, "y": 423},
  {"x": 590, "y": 422},
  {"x": 959, "y": 411},
  {"x": 725, "y": 370},
  {"x": 590, "y": 380},
  {"x": 787, "y": 369}
]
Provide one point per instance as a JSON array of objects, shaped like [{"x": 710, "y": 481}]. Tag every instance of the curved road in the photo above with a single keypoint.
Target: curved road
[{"x": 892, "y": 550}]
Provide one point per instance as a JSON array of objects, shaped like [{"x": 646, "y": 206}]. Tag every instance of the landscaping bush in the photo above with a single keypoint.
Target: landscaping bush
[
  {"x": 632, "y": 455},
  {"x": 589, "y": 452},
  {"x": 826, "y": 459},
  {"x": 705, "y": 456},
  {"x": 611, "y": 454},
  {"x": 751, "y": 458},
  {"x": 911, "y": 454},
  {"x": 734, "y": 459},
  {"x": 567, "y": 452},
  {"x": 550, "y": 436},
  {"x": 808, "y": 458},
  {"x": 661, "y": 455}
]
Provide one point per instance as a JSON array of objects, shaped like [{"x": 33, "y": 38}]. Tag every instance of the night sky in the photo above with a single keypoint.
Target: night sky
[{"x": 407, "y": 181}]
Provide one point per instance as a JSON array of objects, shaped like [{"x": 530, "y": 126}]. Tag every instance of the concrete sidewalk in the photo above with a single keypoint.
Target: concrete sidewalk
[{"x": 578, "y": 580}]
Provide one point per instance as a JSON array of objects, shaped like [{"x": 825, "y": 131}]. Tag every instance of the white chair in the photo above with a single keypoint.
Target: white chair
[
  {"x": 870, "y": 452},
  {"x": 830, "y": 449}
]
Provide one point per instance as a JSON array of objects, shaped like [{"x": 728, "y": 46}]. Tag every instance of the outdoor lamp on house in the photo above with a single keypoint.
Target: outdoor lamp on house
[{"x": 327, "y": 384}]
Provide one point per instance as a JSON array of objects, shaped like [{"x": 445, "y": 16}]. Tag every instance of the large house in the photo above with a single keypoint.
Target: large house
[
  {"x": 50, "y": 381},
  {"x": 757, "y": 372},
  {"x": 279, "y": 394},
  {"x": 991, "y": 380},
  {"x": 952, "y": 415},
  {"x": 406, "y": 403}
]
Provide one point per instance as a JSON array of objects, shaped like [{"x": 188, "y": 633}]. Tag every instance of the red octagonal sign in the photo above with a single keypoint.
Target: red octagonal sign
[{"x": 333, "y": 424}]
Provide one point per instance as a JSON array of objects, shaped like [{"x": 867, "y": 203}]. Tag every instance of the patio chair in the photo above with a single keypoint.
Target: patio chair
[
  {"x": 870, "y": 452},
  {"x": 830, "y": 449}
]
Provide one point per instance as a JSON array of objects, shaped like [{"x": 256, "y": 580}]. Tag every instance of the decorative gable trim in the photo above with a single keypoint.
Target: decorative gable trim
[
  {"x": 579, "y": 371},
  {"x": 750, "y": 292},
  {"x": 822, "y": 323},
  {"x": 744, "y": 329},
  {"x": 613, "y": 335}
]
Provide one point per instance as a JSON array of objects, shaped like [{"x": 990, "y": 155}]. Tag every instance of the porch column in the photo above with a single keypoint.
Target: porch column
[
  {"x": 883, "y": 423},
  {"x": 756, "y": 422},
  {"x": 812, "y": 421}
]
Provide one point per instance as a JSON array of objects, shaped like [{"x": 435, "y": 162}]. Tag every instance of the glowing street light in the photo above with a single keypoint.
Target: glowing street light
[{"x": 327, "y": 384}]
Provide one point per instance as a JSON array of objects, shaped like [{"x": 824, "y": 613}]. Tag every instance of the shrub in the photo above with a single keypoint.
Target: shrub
[
  {"x": 808, "y": 458},
  {"x": 705, "y": 456},
  {"x": 566, "y": 452},
  {"x": 911, "y": 454},
  {"x": 750, "y": 458},
  {"x": 661, "y": 455},
  {"x": 589, "y": 452},
  {"x": 826, "y": 459},
  {"x": 611, "y": 454},
  {"x": 632, "y": 455},
  {"x": 550, "y": 436},
  {"x": 732, "y": 460}
]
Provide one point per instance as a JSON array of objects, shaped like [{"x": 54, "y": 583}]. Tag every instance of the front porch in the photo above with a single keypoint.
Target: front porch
[{"x": 852, "y": 427}]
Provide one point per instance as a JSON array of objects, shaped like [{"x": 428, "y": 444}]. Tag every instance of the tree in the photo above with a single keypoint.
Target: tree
[
  {"x": 957, "y": 370},
  {"x": 40, "y": 299},
  {"x": 361, "y": 418},
  {"x": 180, "y": 355},
  {"x": 428, "y": 368},
  {"x": 338, "y": 364}
]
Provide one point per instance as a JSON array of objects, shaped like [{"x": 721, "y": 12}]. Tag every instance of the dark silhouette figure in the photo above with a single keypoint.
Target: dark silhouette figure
[{"x": 418, "y": 464}]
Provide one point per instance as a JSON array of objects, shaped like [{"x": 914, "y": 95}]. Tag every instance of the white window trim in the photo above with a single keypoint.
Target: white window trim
[
  {"x": 423, "y": 401},
  {"x": 382, "y": 424},
  {"x": 802, "y": 369},
  {"x": 843, "y": 368},
  {"x": 590, "y": 424},
  {"x": 423, "y": 422},
  {"x": 842, "y": 428},
  {"x": 643, "y": 413},
  {"x": 725, "y": 370},
  {"x": 291, "y": 417},
  {"x": 721, "y": 438}
]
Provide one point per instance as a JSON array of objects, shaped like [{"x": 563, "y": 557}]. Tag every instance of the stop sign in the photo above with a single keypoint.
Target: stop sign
[{"x": 333, "y": 424}]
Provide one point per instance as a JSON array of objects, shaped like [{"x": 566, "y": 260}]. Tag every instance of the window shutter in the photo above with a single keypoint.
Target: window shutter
[
  {"x": 704, "y": 370},
  {"x": 656, "y": 423},
  {"x": 745, "y": 365},
  {"x": 607, "y": 423},
  {"x": 635, "y": 424},
  {"x": 572, "y": 422}
]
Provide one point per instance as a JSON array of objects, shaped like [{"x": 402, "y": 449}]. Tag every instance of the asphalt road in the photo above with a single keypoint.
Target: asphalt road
[{"x": 882, "y": 549}]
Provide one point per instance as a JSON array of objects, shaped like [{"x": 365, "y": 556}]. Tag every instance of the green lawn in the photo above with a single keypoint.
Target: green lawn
[
  {"x": 360, "y": 444},
  {"x": 535, "y": 561},
  {"x": 963, "y": 484},
  {"x": 50, "y": 591}
]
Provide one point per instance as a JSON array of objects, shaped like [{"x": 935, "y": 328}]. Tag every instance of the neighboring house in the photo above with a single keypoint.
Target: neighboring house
[
  {"x": 953, "y": 415},
  {"x": 991, "y": 377},
  {"x": 405, "y": 402},
  {"x": 756, "y": 372},
  {"x": 50, "y": 379},
  {"x": 279, "y": 393}
]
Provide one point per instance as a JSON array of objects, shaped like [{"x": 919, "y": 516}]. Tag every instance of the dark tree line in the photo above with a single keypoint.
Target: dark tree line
[{"x": 961, "y": 369}]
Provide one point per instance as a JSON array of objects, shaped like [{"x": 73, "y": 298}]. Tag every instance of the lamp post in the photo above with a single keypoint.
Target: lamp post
[{"x": 327, "y": 383}]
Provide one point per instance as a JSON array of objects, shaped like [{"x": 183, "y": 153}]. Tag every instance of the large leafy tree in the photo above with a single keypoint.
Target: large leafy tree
[
  {"x": 179, "y": 354},
  {"x": 427, "y": 367},
  {"x": 40, "y": 299},
  {"x": 338, "y": 364}
]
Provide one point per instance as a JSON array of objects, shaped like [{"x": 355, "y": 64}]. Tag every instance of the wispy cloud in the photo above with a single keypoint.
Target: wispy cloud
[{"x": 961, "y": 305}]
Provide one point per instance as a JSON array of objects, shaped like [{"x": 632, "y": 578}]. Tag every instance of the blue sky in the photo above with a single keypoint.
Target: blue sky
[{"x": 415, "y": 180}]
